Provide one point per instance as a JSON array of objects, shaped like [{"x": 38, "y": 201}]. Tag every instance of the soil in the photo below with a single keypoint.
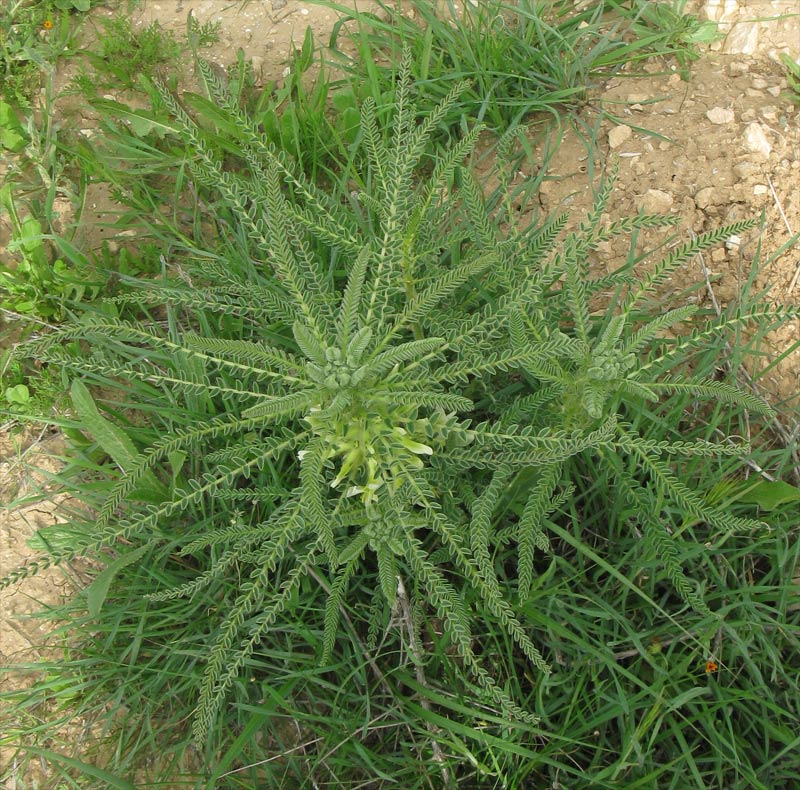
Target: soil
[{"x": 721, "y": 147}]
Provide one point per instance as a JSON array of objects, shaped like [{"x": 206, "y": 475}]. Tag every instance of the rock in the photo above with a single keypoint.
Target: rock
[
  {"x": 737, "y": 68},
  {"x": 744, "y": 170},
  {"x": 719, "y": 115},
  {"x": 707, "y": 197},
  {"x": 756, "y": 141},
  {"x": 733, "y": 242},
  {"x": 759, "y": 83},
  {"x": 654, "y": 201},
  {"x": 774, "y": 91},
  {"x": 742, "y": 40},
  {"x": 760, "y": 189},
  {"x": 618, "y": 135}
]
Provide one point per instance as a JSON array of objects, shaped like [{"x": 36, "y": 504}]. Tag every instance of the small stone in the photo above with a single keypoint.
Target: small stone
[
  {"x": 719, "y": 115},
  {"x": 769, "y": 113},
  {"x": 706, "y": 197},
  {"x": 756, "y": 141},
  {"x": 732, "y": 242},
  {"x": 744, "y": 170},
  {"x": 654, "y": 201},
  {"x": 760, "y": 189},
  {"x": 738, "y": 68},
  {"x": 718, "y": 255},
  {"x": 618, "y": 135},
  {"x": 774, "y": 91},
  {"x": 759, "y": 83},
  {"x": 638, "y": 98}
]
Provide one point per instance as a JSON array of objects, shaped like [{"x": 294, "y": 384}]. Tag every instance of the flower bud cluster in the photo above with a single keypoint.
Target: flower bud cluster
[{"x": 339, "y": 371}]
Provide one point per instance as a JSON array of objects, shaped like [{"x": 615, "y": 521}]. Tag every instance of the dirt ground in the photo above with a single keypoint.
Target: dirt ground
[{"x": 722, "y": 147}]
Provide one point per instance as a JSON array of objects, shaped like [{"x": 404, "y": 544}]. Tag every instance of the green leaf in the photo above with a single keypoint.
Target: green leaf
[
  {"x": 307, "y": 52},
  {"x": 176, "y": 459},
  {"x": 766, "y": 494},
  {"x": 97, "y": 591},
  {"x": 140, "y": 122},
  {"x": 115, "y": 442},
  {"x": 110, "y": 437},
  {"x": 19, "y": 395},
  {"x": 12, "y": 135}
]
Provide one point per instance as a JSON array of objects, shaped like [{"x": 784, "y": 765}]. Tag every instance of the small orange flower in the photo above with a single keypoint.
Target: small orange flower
[
  {"x": 711, "y": 666},
  {"x": 47, "y": 24}
]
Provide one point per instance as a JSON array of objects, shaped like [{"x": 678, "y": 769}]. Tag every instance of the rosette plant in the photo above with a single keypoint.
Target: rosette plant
[{"x": 367, "y": 389}]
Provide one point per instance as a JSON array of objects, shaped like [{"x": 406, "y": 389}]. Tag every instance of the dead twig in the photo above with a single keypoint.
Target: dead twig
[{"x": 403, "y": 608}]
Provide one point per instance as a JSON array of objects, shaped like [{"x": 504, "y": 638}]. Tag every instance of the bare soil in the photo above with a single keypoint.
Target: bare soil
[{"x": 722, "y": 147}]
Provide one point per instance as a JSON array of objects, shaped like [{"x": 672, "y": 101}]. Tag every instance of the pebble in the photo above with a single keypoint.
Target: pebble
[
  {"x": 756, "y": 141},
  {"x": 706, "y": 197},
  {"x": 737, "y": 68},
  {"x": 759, "y": 83},
  {"x": 744, "y": 170},
  {"x": 760, "y": 189},
  {"x": 655, "y": 201},
  {"x": 719, "y": 115},
  {"x": 618, "y": 135},
  {"x": 774, "y": 91},
  {"x": 732, "y": 242}
]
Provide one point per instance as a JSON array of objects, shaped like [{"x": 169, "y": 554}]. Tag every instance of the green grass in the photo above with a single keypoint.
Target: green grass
[
  {"x": 524, "y": 59},
  {"x": 627, "y": 609}
]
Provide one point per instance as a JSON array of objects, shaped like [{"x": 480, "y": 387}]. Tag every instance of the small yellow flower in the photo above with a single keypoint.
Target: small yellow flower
[
  {"x": 711, "y": 667},
  {"x": 47, "y": 24}
]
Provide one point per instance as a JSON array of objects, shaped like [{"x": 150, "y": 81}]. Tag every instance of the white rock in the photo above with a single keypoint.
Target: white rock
[
  {"x": 733, "y": 241},
  {"x": 720, "y": 115},
  {"x": 737, "y": 68},
  {"x": 756, "y": 141},
  {"x": 706, "y": 197},
  {"x": 760, "y": 189},
  {"x": 742, "y": 40},
  {"x": 654, "y": 201},
  {"x": 618, "y": 135},
  {"x": 774, "y": 91},
  {"x": 759, "y": 83}
]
